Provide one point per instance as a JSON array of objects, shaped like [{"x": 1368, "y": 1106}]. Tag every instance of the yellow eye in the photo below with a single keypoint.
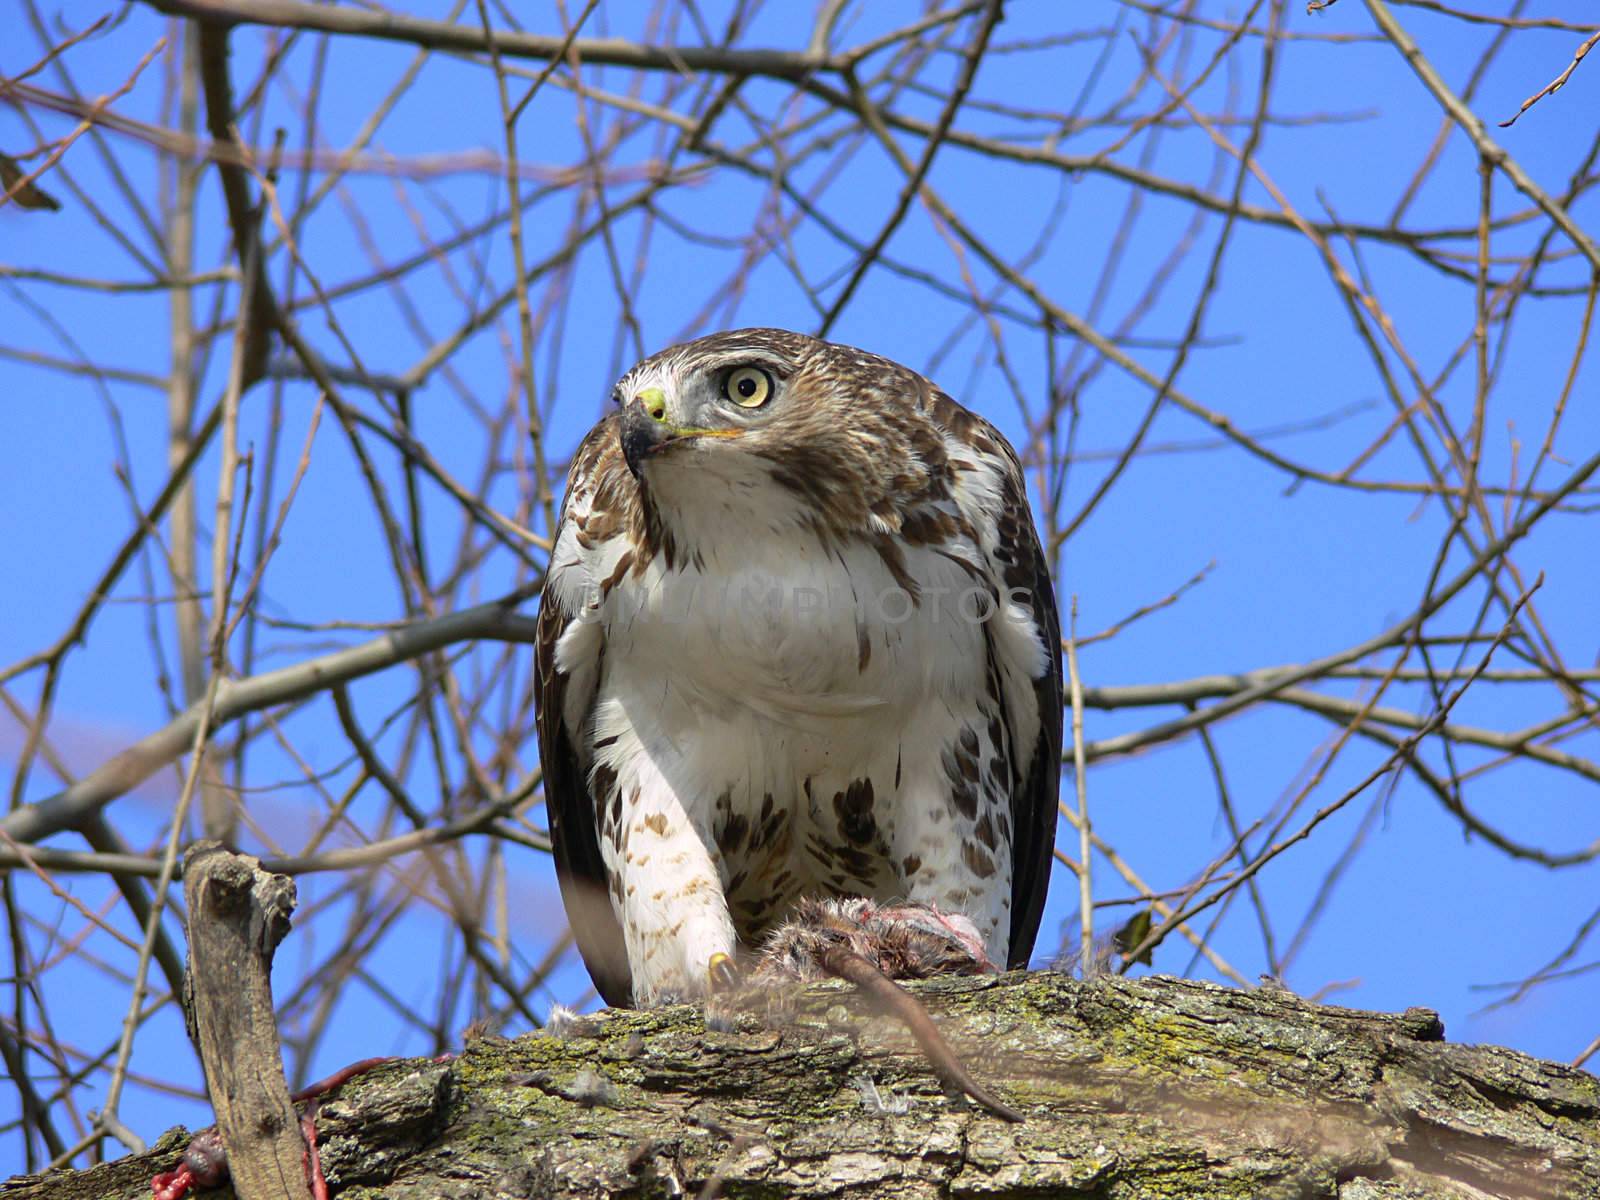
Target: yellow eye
[{"x": 748, "y": 387}]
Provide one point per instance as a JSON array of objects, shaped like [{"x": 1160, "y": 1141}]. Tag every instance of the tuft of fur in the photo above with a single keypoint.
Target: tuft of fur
[
  {"x": 566, "y": 1023},
  {"x": 590, "y": 1088},
  {"x": 875, "y": 1101},
  {"x": 903, "y": 941}
]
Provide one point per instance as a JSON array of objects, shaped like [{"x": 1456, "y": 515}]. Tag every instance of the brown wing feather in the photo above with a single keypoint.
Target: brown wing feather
[
  {"x": 1034, "y": 800},
  {"x": 569, "y": 805},
  {"x": 1021, "y": 562}
]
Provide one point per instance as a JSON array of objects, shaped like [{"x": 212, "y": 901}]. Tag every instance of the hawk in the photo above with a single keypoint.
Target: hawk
[{"x": 797, "y": 639}]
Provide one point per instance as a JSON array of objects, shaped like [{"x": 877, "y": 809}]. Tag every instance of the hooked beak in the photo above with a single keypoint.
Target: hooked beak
[{"x": 644, "y": 427}]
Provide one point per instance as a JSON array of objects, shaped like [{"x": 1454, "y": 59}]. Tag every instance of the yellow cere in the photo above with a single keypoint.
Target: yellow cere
[{"x": 654, "y": 401}]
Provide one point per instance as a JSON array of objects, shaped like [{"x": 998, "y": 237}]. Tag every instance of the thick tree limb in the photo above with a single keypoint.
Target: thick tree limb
[{"x": 1157, "y": 1087}]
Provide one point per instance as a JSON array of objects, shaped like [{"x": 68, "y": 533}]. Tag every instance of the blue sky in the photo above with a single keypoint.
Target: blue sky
[{"x": 1423, "y": 916}]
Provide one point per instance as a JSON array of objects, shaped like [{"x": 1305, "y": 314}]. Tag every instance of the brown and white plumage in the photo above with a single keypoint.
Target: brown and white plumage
[{"x": 797, "y": 647}]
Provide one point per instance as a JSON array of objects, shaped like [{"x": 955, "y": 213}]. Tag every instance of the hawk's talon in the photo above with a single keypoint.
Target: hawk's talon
[
  {"x": 722, "y": 990},
  {"x": 721, "y": 974}
]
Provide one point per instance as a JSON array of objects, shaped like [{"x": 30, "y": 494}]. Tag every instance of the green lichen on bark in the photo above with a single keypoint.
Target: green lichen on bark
[{"x": 1155, "y": 1088}]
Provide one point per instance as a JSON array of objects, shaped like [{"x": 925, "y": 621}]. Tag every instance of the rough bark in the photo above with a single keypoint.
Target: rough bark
[
  {"x": 238, "y": 914},
  {"x": 1153, "y": 1088}
]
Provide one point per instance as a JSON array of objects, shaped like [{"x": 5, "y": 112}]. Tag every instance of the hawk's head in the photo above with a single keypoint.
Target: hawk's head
[{"x": 779, "y": 427}]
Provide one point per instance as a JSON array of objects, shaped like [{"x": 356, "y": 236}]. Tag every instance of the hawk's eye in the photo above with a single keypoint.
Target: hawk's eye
[{"x": 748, "y": 387}]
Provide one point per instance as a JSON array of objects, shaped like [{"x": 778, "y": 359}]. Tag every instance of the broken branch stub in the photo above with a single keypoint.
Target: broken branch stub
[{"x": 238, "y": 914}]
